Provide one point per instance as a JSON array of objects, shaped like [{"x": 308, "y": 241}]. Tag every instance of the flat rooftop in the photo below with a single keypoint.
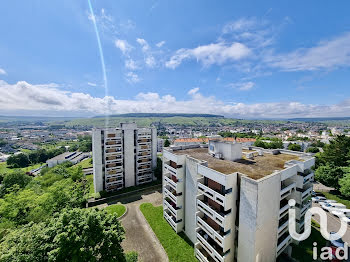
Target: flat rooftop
[{"x": 257, "y": 168}]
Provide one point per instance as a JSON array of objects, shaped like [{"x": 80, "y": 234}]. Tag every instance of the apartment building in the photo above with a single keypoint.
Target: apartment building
[
  {"x": 232, "y": 201},
  {"x": 123, "y": 157}
]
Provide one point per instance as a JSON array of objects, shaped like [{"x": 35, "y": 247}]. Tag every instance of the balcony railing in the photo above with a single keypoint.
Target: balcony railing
[
  {"x": 177, "y": 199},
  {"x": 199, "y": 254},
  {"x": 225, "y": 221},
  {"x": 283, "y": 210},
  {"x": 176, "y": 211},
  {"x": 281, "y": 246},
  {"x": 306, "y": 193},
  {"x": 211, "y": 250},
  {"x": 219, "y": 198},
  {"x": 176, "y": 225},
  {"x": 287, "y": 190},
  {"x": 177, "y": 186},
  {"x": 222, "y": 240}
]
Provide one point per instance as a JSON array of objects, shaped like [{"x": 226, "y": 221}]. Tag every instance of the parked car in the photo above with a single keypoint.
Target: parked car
[
  {"x": 339, "y": 212},
  {"x": 332, "y": 206},
  {"x": 338, "y": 242},
  {"x": 318, "y": 199},
  {"x": 330, "y": 201}
]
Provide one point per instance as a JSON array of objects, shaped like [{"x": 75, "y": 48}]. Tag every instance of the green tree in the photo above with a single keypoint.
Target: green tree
[
  {"x": 329, "y": 175},
  {"x": 294, "y": 147},
  {"x": 18, "y": 161},
  {"x": 337, "y": 152},
  {"x": 166, "y": 143},
  {"x": 72, "y": 235},
  {"x": 313, "y": 150},
  {"x": 344, "y": 184},
  {"x": 11, "y": 179}
]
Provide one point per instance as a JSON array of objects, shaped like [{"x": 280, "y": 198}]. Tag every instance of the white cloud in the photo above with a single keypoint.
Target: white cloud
[
  {"x": 143, "y": 43},
  {"x": 329, "y": 54},
  {"x": 131, "y": 77},
  {"x": 2, "y": 72},
  {"x": 150, "y": 61},
  {"x": 123, "y": 45},
  {"x": 217, "y": 53},
  {"x": 244, "y": 86},
  {"x": 131, "y": 64},
  {"x": 26, "y": 99},
  {"x": 160, "y": 44},
  {"x": 241, "y": 24},
  {"x": 91, "y": 84},
  {"x": 193, "y": 91}
]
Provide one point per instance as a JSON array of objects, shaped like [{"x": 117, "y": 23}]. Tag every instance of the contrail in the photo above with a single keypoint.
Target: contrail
[{"x": 102, "y": 63}]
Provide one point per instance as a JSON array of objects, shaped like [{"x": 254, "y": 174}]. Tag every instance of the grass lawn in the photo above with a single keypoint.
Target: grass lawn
[
  {"x": 85, "y": 163},
  {"x": 90, "y": 179},
  {"x": 303, "y": 251},
  {"x": 5, "y": 169},
  {"x": 337, "y": 198},
  {"x": 117, "y": 208},
  {"x": 178, "y": 247}
]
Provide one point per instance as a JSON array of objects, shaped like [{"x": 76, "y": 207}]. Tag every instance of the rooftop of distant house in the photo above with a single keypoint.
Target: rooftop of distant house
[{"x": 256, "y": 168}]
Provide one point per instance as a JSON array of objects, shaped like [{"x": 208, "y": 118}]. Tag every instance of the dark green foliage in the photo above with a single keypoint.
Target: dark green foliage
[
  {"x": 158, "y": 170},
  {"x": 18, "y": 161},
  {"x": 166, "y": 143},
  {"x": 337, "y": 152},
  {"x": 313, "y": 150},
  {"x": 275, "y": 144},
  {"x": 71, "y": 235},
  {"x": 294, "y": 147},
  {"x": 240, "y": 135},
  {"x": 329, "y": 175},
  {"x": 17, "y": 178}
]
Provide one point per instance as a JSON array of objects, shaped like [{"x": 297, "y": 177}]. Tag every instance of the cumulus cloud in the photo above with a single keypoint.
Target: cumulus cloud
[
  {"x": 131, "y": 64},
  {"x": 215, "y": 53},
  {"x": 143, "y": 43},
  {"x": 2, "y": 72},
  {"x": 132, "y": 77},
  {"x": 160, "y": 44},
  {"x": 244, "y": 86},
  {"x": 123, "y": 45},
  {"x": 25, "y": 98},
  {"x": 328, "y": 54}
]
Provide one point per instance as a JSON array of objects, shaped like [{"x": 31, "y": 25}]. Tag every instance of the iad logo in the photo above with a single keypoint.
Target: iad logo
[{"x": 340, "y": 253}]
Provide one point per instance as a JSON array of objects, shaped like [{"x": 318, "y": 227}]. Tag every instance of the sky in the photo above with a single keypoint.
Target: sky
[{"x": 241, "y": 59}]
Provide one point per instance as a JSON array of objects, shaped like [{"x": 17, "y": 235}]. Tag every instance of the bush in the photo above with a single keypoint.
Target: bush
[
  {"x": 313, "y": 150},
  {"x": 294, "y": 147}
]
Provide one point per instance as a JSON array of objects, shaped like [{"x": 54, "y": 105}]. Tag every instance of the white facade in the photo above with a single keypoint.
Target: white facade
[
  {"x": 227, "y": 214},
  {"x": 123, "y": 157}
]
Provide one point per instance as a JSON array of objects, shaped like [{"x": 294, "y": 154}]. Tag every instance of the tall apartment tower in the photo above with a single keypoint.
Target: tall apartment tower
[
  {"x": 232, "y": 202},
  {"x": 123, "y": 157}
]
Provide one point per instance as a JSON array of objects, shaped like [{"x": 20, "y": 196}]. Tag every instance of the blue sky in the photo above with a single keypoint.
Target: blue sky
[{"x": 250, "y": 59}]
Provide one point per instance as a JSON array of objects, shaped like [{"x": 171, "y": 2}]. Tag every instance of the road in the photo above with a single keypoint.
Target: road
[
  {"x": 333, "y": 224},
  {"x": 139, "y": 236}
]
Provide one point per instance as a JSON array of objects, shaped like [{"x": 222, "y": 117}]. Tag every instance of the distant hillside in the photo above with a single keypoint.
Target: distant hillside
[
  {"x": 320, "y": 119},
  {"x": 162, "y": 115}
]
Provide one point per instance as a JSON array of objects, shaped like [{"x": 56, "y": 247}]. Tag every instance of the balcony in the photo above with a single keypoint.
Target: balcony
[
  {"x": 214, "y": 251},
  {"x": 284, "y": 207},
  {"x": 287, "y": 190},
  {"x": 176, "y": 198},
  {"x": 216, "y": 196},
  {"x": 282, "y": 225},
  {"x": 222, "y": 239},
  {"x": 144, "y": 136},
  {"x": 306, "y": 193},
  {"x": 171, "y": 169},
  {"x": 283, "y": 242},
  {"x": 222, "y": 219},
  {"x": 171, "y": 206},
  {"x": 202, "y": 255},
  {"x": 305, "y": 208},
  {"x": 177, "y": 225},
  {"x": 177, "y": 186}
]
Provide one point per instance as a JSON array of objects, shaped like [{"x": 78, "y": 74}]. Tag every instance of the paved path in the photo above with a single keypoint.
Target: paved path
[{"x": 139, "y": 236}]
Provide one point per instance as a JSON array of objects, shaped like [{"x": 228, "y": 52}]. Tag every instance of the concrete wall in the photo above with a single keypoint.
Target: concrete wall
[
  {"x": 258, "y": 219},
  {"x": 191, "y": 198},
  {"x": 97, "y": 156},
  {"x": 154, "y": 147},
  {"x": 129, "y": 155},
  {"x": 229, "y": 151}
]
